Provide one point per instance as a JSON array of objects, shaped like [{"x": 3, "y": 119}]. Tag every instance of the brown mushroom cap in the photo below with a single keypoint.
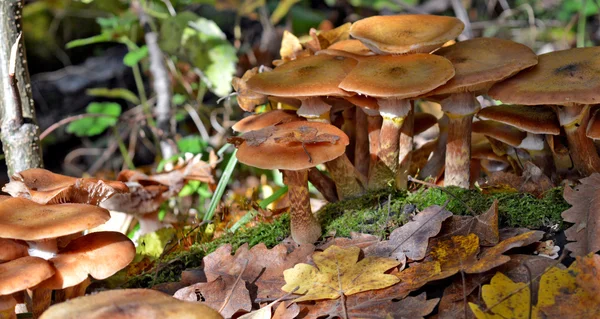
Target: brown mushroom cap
[
  {"x": 560, "y": 78},
  {"x": 410, "y": 33},
  {"x": 258, "y": 121},
  {"x": 23, "y": 273},
  {"x": 7, "y": 307},
  {"x": 536, "y": 119},
  {"x": 99, "y": 254},
  {"x": 505, "y": 133},
  {"x": 352, "y": 46},
  {"x": 481, "y": 62},
  {"x": 398, "y": 76},
  {"x": 129, "y": 304},
  {"x": 281, "y": 147},
  {"x": 12, "y": 249},
  {"x": 593, "y": 128},
  {"x": 311, "y": 76},
  {"x": 27, "y": 220},
  {"x": 45, "y": 187}
]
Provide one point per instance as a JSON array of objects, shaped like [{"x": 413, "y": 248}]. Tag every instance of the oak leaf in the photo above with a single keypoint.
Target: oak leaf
[
  {"x": 262, "y": 268},
  {"x": 339, "y": 272},
  {"x": 585, "y": 214},
  {"x": 226, "y": 294},
  {"x": 485, "y": 226},
  {"x": 411, "y": 240}
]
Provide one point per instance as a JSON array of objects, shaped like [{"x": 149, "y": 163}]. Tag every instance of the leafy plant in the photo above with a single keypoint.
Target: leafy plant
[{"x": 106, "y": 115}]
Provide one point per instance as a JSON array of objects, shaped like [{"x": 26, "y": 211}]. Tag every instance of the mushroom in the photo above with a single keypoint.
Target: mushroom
[
  {"x": 129, "y": 304},
  {"x": 308, "y": 79},
  {"x": 23, "y": 273},
  {"x": 407, "y": 33},
  {"x": 537, "y": 121},
  {"x": 99, "y": 254},
  {"x": 45, "y": 187},
  {"x": 254, "y": 122},
  {"x": 12, "y": 249},
  {"x": 7, "y": 307},
  {"x": 293, "y": 148},
  {"x": 569, "y": 80},
  {"x": 355, "y": 47},
  {"x": 479, "y": 63},
  {"x": 393, "y": 80}
]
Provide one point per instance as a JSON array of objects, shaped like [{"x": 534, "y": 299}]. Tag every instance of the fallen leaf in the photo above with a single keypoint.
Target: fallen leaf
[
  {"x": 307, "y": 135},
  {"x": 532, "y": 180},
  {"x": 252, "y": 138},
  {"x": 246, "y": 98},
  {"x": 369, "y": 305},
  {"x": 411, "y": 239},
  {"x": 359, "y": 240},
  {"x": 585, "y": 214},
  {"x": 286, "y": 310},
  {"x": 505, "y": 299},
  {"x": 485, "y": 226},
  {"x": 226, "y": 294},
  {"x": 339, "y": 272},
  {"x": 264, "y": 270},
  {"x": 290, "y": 46}
]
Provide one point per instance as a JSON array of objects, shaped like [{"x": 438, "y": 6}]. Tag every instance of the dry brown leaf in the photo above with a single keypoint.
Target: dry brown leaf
[
  {"x": 246, "y": 98},
  {"x": 485, "y": 226},
  {"x": 372, "y": 305},
  {"x": 290, "y": 46},
  {"x": 286, "y": 310},
  {"x": 264, "y": 270},
  {"x": 411, "y": 239},
  {"x": 140, "y": 200},
  {"x": 252, "y": 138},
  {"x": 225, "y": 294},
  {"x": 532, "y": 180},
  {"x": 356, "y": 239},
  {"x": 585, "y": 214}
]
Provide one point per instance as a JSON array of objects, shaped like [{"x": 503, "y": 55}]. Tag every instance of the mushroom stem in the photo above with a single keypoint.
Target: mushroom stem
[
  {"x": 71, "y": 292},
  {"x": 305, "y": 228},
  {"x": 361, "y": 148},
  {"x": 349, "y": 127},
  {"x": 348, "y": 181},
  {"x": 582, "y": 149},
  {"x": 324, "y": 184},
  {"x": 38, "y": 300},
  {"x": 405, "y": 151},
  {"x": 460, "y": 109},
  {"x": 393, "y": 112},
  {"x": 435, "y": 166},
  {"x": 374, "y": 121}
]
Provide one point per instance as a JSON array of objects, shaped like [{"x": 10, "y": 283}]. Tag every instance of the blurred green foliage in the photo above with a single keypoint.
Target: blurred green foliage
[{"x": 90, "y": 126}]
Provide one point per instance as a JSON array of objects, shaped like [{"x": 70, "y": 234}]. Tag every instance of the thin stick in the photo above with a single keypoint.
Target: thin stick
[
  {"x": 342, "y": 296},
  {"x": 412, "y": 179},
  {"x": 233, "y": 288},
  {"x": 68, "y": 120}
]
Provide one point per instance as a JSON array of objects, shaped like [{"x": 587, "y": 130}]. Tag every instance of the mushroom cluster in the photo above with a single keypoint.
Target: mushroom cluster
[
  {"x": 368, "y": 79},
  {"x": 44, "y": 248}
]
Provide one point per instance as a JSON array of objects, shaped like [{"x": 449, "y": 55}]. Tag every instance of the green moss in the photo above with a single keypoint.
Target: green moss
[{"x": 375, "y": 213}]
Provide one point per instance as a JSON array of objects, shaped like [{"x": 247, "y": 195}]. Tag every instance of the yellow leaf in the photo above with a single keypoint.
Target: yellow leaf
[
  {"x": 290, "y": 46},
  {"x": 339, "y": 272},
  {"x": 282, "y": 9},
  {"x": 505, "y": 299}
]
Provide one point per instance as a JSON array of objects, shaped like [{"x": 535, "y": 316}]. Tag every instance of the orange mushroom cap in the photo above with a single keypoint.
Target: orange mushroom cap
[
  {"x": 536, "y": 119},
  {"x": 291, "y": 146},
  {"x": 410, "y": 33},
  {"x": 23, "y": 219},
  {"x": 481, "y": 62},
  {"x": 23, "y": 273},
  {"x": 398, "y": 76},
  {"x": 258, "y": 121},
  {"x": 99, "y": 254},
  {"x": 560, "y": 78},
  {"x": 505, "y": 133},
  {"x": 317, "y": 75},
  {"x": 351, "y": 46}
]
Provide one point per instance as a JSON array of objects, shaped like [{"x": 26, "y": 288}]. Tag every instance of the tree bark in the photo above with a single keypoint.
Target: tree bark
[{"x": 20, "y": 139}]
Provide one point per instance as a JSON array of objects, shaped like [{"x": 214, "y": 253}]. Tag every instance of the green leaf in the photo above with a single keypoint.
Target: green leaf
[
  {"x": 90, "y": 126},
  {"x": 118, "y": 93},
  {"x": 153, "y": 244},
  {"x": 192, "y": 144},
  {"x": 282, "y": 9},
  {"x": 133, "y": 57},
  {"x": 178, "y": 99}
]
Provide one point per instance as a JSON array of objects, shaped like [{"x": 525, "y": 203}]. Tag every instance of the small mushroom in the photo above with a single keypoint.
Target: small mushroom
[
  {"x": 294, "y": 148},
  {"x": 129, "y": 304},
  {"x": 308, "y": 79},
  {"x": 569, "y": 80},
  {"x": 12, "y": 249}
]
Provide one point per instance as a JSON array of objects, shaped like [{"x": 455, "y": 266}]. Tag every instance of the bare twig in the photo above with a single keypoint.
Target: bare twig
[
  {"x": 226, "y": 301},
  {"x": 18, "y": 111}
]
